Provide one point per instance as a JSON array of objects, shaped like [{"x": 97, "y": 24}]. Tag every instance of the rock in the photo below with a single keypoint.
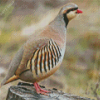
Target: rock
[{"x": 26, "y": 91}]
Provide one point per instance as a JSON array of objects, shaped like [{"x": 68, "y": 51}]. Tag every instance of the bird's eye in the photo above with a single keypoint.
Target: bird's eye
[{"x": 73, "y": 9}]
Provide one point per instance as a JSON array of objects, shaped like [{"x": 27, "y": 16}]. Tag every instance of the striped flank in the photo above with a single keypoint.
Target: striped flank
[{"x": 45, "y": 58}]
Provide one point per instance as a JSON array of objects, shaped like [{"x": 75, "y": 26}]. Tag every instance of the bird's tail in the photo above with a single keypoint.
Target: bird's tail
[{"x": 5, "y": 81}]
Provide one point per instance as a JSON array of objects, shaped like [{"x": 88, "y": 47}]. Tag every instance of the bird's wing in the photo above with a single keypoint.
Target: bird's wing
[
  {"x": 37, "y": 50},
  {"x": 19, "y": 62}
]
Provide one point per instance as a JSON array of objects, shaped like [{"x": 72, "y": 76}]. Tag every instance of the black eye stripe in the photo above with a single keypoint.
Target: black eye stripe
[{"x": 71, "y": 9}]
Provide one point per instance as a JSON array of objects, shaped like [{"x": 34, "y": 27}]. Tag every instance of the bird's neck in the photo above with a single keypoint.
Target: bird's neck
[
  {"x": 59, "y": 25},
  {"x": 65, "y": 20}
]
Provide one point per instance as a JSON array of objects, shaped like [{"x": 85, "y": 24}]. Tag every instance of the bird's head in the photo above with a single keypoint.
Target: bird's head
[{"x": 70, "y": 11}]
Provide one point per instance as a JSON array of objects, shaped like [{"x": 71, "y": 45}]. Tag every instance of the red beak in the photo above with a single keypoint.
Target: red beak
[{"x": 79, "y": 11}]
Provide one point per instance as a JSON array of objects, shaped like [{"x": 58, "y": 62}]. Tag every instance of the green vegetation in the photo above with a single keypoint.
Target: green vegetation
[
  {"x": 6, "y": 11},
  {"x": 80, "y": 77},
  {"x": 90, "y": 40},
  {"x": 29, "y": 19}
]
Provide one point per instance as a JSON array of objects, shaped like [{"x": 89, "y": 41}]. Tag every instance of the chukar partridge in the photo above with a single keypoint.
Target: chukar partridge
[{"x": 42, "y": 54}]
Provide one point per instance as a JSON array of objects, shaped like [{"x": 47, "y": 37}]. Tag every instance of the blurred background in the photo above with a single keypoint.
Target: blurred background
[{"x": 79, "y": 73}]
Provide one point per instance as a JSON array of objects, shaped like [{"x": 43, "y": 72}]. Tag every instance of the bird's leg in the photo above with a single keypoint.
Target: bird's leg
[
  {"x": 42, "y": 89},
  {"x": 39, "y": 90}
]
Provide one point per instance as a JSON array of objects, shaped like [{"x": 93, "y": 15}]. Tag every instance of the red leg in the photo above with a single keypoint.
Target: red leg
[
  {"x": 42, "y": 89},
  {"x": 39, "y": 90},
  {"x": 36, "y": 87}
]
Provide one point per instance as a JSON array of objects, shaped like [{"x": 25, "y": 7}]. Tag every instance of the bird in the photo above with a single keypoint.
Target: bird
[{"x": 41, "y": 55}]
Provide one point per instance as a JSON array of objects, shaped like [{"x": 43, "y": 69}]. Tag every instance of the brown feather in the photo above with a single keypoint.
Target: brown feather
[{"x": 13, "y": 78}]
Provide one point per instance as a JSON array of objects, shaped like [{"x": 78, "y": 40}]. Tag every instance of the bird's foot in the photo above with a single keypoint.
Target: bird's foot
[{"x": 39, "y": 90}]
